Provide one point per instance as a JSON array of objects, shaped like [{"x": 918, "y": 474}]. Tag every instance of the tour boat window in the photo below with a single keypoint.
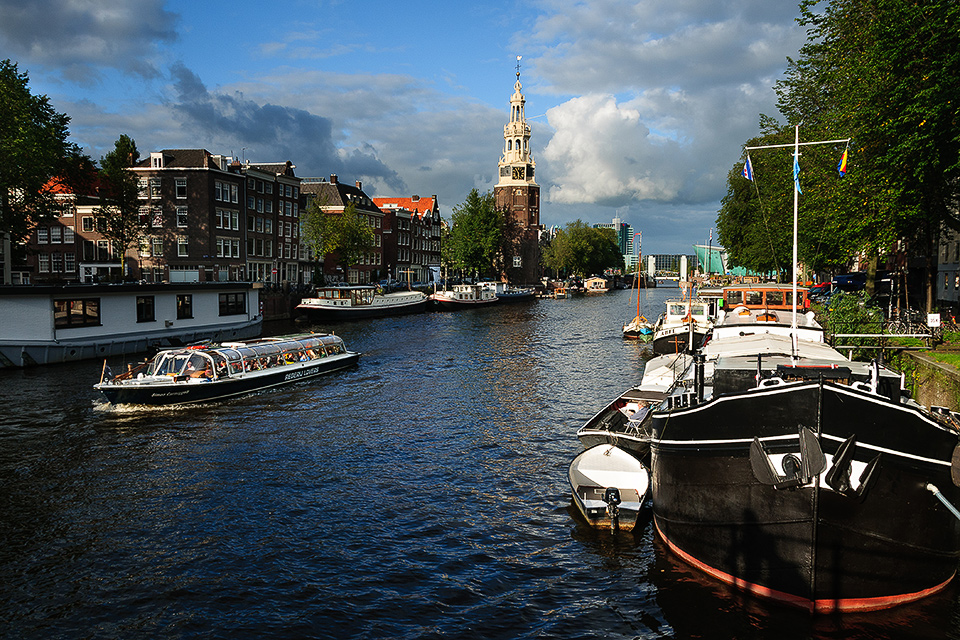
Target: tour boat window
[
  {"x": 754, "y": 298},
  {"x": 734, "y": 298},
  {"x": 774, "y": 298}
]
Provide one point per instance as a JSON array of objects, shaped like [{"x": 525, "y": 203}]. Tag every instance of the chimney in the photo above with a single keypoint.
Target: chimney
[
  {"x": 359, "y": 185},
  {"x": 415, "y": 198},
  {"x": 333, "y": 178}
]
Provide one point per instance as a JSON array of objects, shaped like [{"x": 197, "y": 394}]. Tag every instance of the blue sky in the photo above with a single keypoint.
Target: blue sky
[{"x": 638, "y": 109}]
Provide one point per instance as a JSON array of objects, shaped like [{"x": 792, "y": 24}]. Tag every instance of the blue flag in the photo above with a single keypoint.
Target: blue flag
[
  {"x": 748, "y": 170},
  {"x": 796, "y": 174}
]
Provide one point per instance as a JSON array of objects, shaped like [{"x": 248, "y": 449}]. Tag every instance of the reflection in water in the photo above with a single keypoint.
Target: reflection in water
[{"x": 422, "y": 494}]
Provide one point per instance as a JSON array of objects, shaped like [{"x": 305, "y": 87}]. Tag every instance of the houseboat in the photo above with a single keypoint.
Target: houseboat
[
  {"x": 64, "y": 323},
  {"x": 463, "y": 296},
  {"x": 788, "y": 471},
  {"x": 331, "y": 304}
]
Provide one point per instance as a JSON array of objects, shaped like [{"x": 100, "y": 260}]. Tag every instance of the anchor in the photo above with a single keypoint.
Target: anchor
[
  {"x": 796, "y": 471},
  {"x": 838, "y": 478}
]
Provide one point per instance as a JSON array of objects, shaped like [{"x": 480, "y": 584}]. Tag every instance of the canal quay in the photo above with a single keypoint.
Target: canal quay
[{"x": 421, "y": 494}]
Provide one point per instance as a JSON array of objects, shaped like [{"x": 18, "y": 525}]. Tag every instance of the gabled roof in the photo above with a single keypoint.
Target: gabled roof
[
  {"x": 415, "y": 204},
  {"x": 276, "y": 168},
  {"x": 338, "y": 195}
]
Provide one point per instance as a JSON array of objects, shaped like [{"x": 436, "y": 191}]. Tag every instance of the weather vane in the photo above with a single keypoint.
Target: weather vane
[{"x": 518, "y": 66}]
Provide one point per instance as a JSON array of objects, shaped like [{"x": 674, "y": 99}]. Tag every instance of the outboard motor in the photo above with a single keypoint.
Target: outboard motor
[{"x": 612, "y": 497}]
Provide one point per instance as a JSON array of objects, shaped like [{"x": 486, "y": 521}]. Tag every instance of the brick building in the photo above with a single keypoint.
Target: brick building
[{"x": 411, "y": 236}]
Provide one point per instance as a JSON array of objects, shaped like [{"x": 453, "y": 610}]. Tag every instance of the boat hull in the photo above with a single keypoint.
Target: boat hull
[
  {"x": 316, "y": 313},
  {"x": 811, "y": 546},
  {"x": 441, "y": 304},
  {"x": 594, "y": 472},
  {"x": 676, "y": 340},
  {"x": 193, "y": 391}
]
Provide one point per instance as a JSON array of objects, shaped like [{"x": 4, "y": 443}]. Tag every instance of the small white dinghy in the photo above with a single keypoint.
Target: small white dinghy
[{"x": 609, "y": 486}]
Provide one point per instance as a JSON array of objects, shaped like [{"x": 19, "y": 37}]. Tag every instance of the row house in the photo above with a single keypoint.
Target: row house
[
  {"x": 333, "y": 197},
  {"x": 273, "y": 248},
  {"x": 68, "y": 248},
  {"x": 414, "y": 248}
]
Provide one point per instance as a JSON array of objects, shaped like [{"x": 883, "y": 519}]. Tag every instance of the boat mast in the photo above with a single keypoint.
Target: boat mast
[{"x": 796, "y": 197}]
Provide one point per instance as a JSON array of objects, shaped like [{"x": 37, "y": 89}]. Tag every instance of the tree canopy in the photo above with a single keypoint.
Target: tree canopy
[
  {"x": 885, "y": 74},
  {"x": 579, "y": 249},
  {"x": 118, "y": 215},
  {"x": 345, "y": 234},
  {"x": 477, "y": 236},
  {"x": 33, "y": 150}
]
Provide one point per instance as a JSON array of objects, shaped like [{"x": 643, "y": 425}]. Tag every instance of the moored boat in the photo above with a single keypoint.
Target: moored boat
[
  {"x": 463, "y": 296},
  {"x": 682, "y": 326},
  {"x": 596, "y": 285},
  {"x": 360, "y": 301},
  {"x": 639, "y": 328},
  {"x": 784, "y": 469},
  {"x": 203, "y": 373},
  {"x": 609, "y": 487},
  {"x": 508, "y": 293}
]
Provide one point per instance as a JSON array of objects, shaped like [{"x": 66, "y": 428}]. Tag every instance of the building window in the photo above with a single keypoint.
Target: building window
[
  {"x": 268, "y": 206},
  {"x": 184, "y": 306},
  {"x": 56, "y": 234},
  {"x": 267, "y": 225},
  {"x": 76, "y": 313},
  {"x": 44, "y": 259},
  {"x": 182, "y": 247},
  {"x": 268, "y": 187},
  {"x": 154, "y": 187},
  {"x": 181, "y": 216},
  {"x": 56, "y": 265},
  {"x": 143, "y": 188},
  {"x": 157, "y": 217},
  {"x": 251, "y": 203},
  {"x": 232, "y": 304},
  {"x": 43, "y": 235},
  {"x": 68, "y": 235},
  {"x": 157, "y": 248},
  {"x": 181, "y": 187},
  {"x": 69, "y": 262},
  {"x": 234, "y": 194},
  {"x": 145, "y": 309},
  {"x": 86, "y": 223}
]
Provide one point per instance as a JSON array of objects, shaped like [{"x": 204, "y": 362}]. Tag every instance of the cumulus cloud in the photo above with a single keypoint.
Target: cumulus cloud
[
  {"x": 79, "y": 38},
  {"x": 602, "y": 153}
]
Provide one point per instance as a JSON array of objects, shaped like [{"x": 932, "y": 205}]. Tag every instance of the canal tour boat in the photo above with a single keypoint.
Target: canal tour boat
[
  {"x": 609, "y": 486},
  {"x": 332, "y": 304},
  {"x": 203, "y": 373},
  {"x": 788, "y": 471},
  {"x": 682, "y": 326},
  {"x": 463, "y": 296}
]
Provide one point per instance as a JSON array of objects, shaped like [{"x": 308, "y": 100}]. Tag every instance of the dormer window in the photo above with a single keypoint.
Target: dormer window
[{"x": 156, "y": 160}]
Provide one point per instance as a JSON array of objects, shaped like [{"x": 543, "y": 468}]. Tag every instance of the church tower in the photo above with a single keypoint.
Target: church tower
[{"x": 517, "y": 191}]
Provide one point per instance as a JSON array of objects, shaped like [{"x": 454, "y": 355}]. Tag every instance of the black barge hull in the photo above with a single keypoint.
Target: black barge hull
[{"x": 870, "y": 546}]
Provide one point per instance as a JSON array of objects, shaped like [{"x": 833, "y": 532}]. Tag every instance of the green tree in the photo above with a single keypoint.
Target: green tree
[
  {"x": 579, "y": 249},
  {"x": 885, "y": 73},
  {"x": 346, "y": 235},
  {"x": 477, "y": 236},
  {"x": 118, "y": 216},
  {"x": 33, "y": 150}
]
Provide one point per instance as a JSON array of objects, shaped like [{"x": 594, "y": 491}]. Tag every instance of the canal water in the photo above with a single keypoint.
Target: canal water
[{"x": 422, "y": 494}]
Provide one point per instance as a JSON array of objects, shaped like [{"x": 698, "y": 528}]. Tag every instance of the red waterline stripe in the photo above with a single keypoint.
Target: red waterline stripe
[{"x": 846, "y": 605}]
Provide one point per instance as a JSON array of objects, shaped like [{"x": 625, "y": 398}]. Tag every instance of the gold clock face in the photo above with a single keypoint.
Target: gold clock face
[{"x": 518, "y": 173}]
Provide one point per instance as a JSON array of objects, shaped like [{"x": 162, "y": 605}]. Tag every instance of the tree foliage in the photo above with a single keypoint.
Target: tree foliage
[
  {"x": 478, "y": 235},
  {"x": 118, "y": 216},
  {"x": 33, "y": 150},
  {"x": 346, "y": 234},
  {"x": 579, "y": 249},
  {"x": 883, "y": 73}
]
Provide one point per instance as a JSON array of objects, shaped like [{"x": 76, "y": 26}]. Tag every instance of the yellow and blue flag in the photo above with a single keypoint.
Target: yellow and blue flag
[{"x": 842, "y": 166}]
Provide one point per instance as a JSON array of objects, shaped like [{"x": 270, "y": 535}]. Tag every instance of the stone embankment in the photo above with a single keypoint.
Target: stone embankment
[{"x": 934, "y": 383}]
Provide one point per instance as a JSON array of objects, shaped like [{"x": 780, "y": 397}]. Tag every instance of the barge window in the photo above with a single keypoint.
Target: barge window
[
  {"x": 754, "y": 298},
  {"x": 232, "y": 304},
  {"x": 145, "y": 309},
  {"x": 734, "y": 298},
  {"x": 184, "y": 306},
  {"x": 775, "y": 298},
  {"x": 84, "y": 312}
]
